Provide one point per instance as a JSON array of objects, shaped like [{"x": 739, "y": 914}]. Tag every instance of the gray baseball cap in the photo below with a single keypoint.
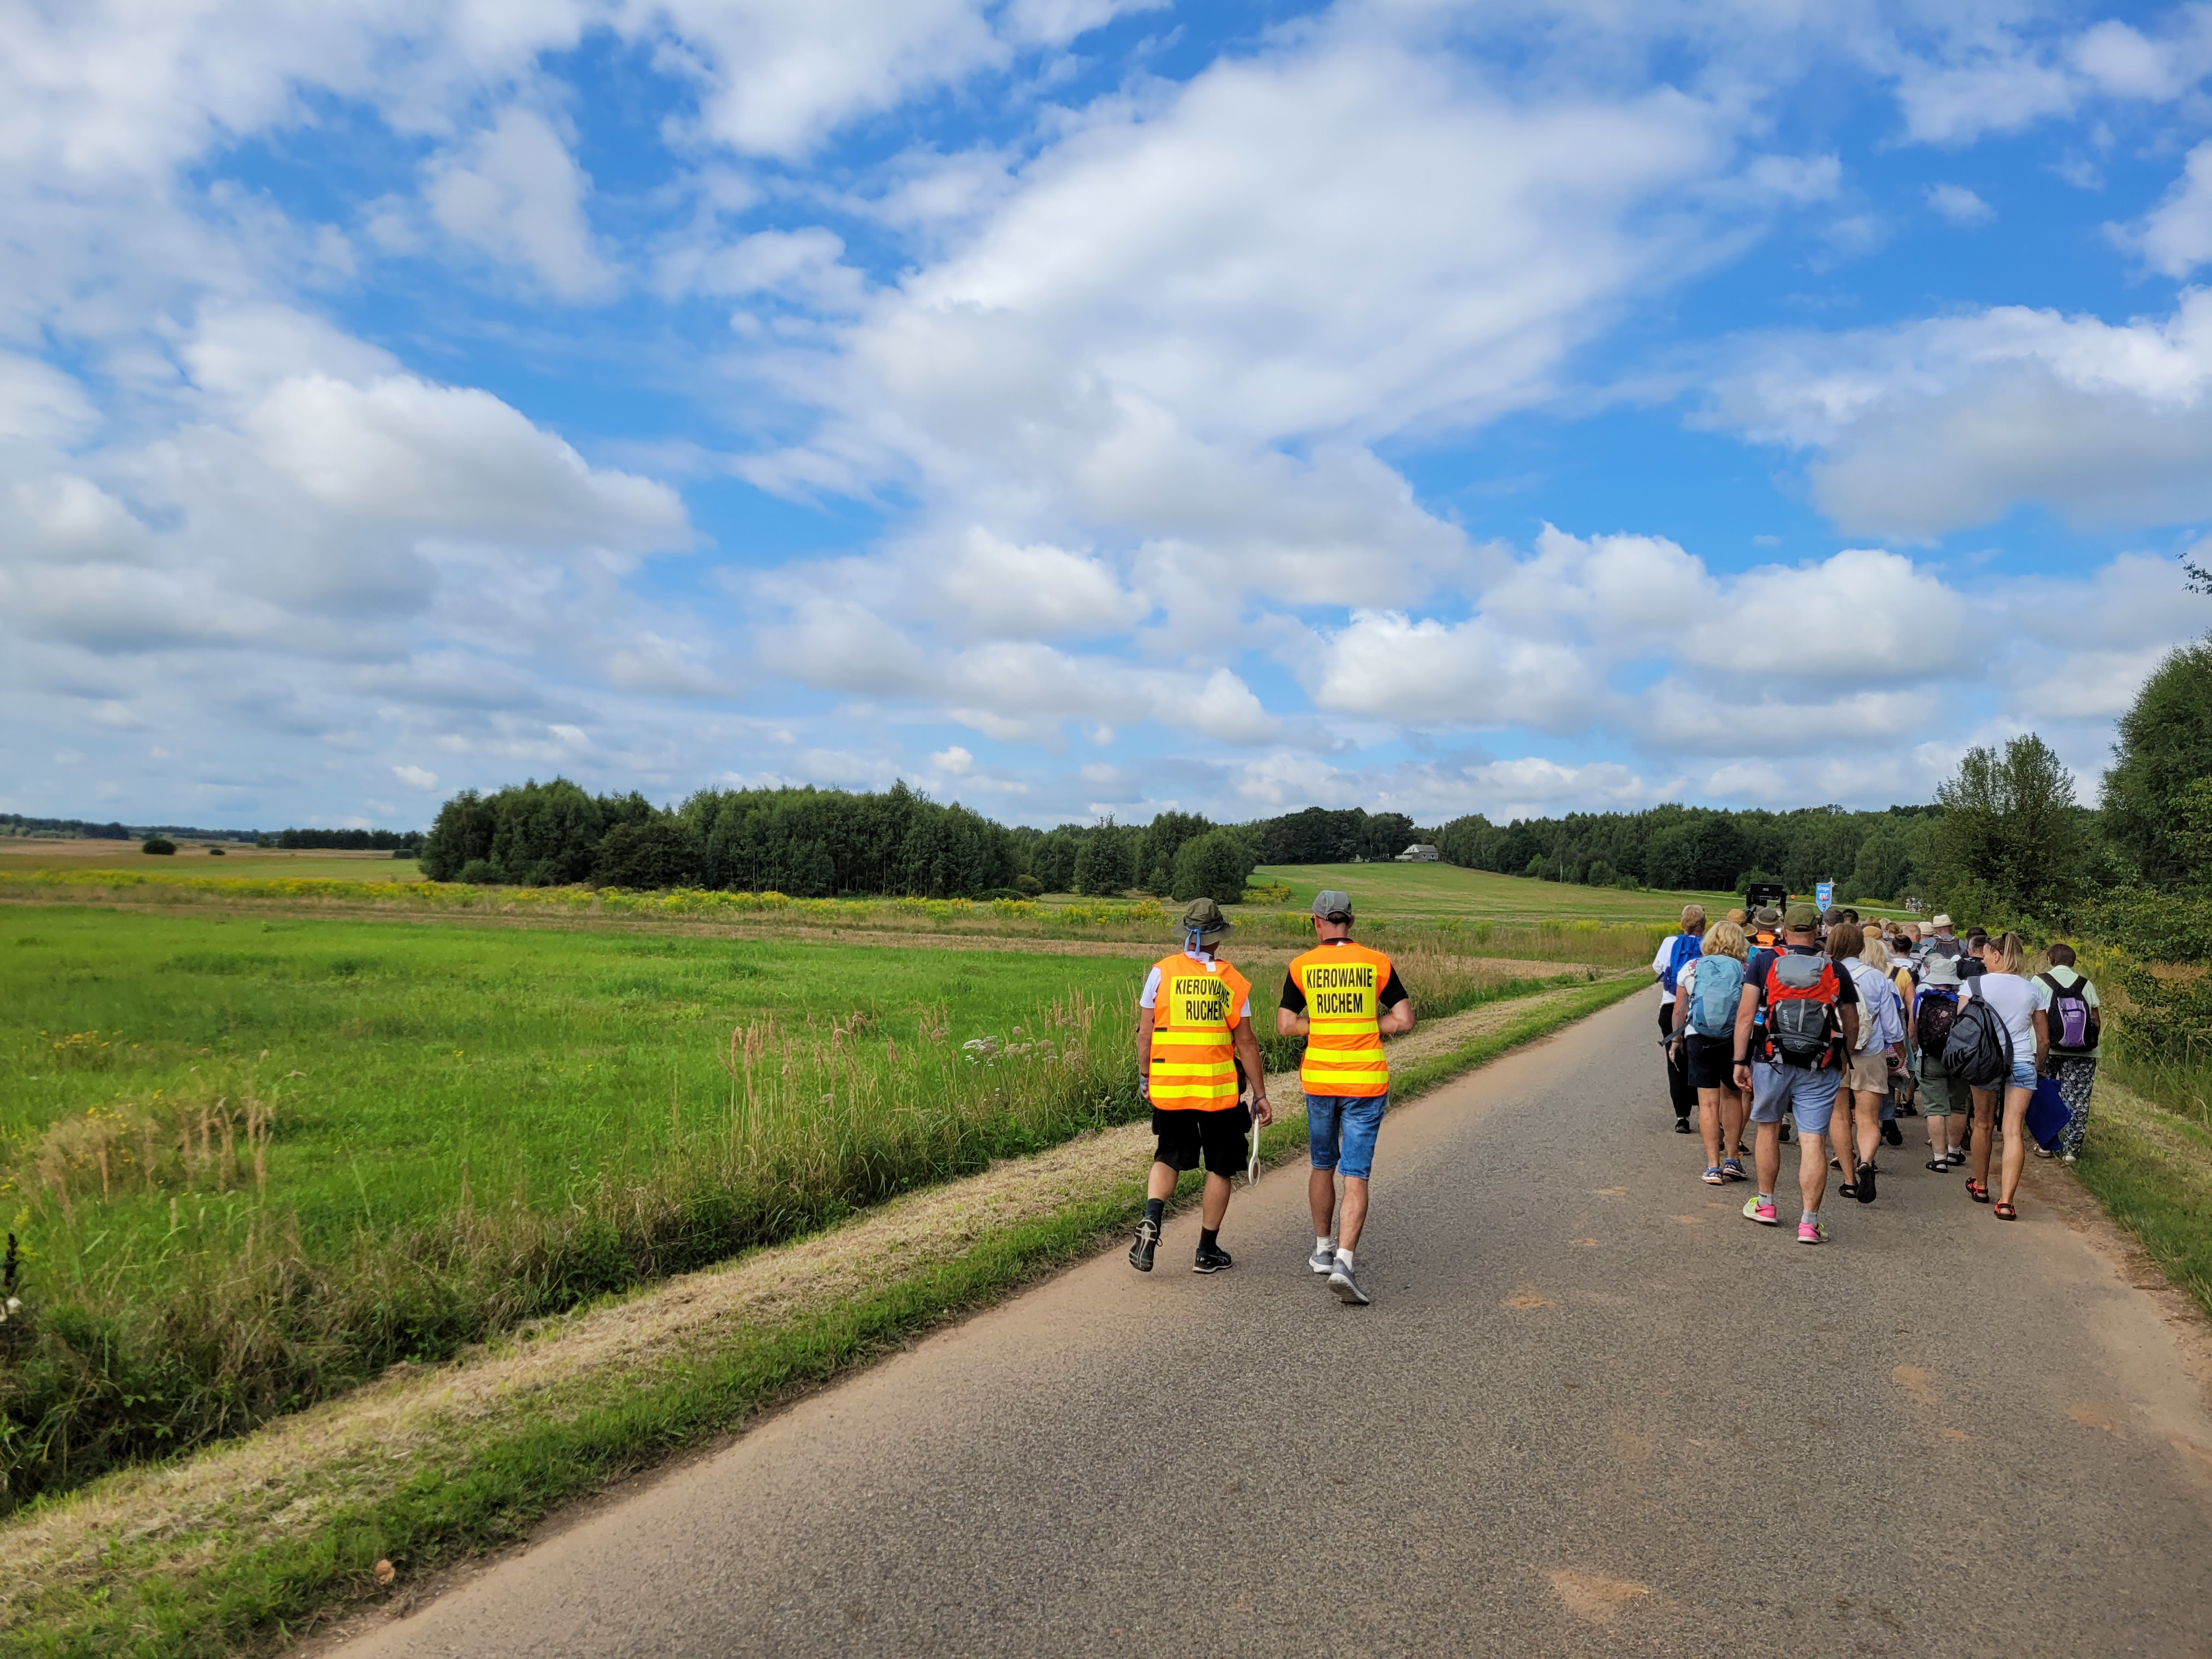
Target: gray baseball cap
[{"x": 1329, "y": 904}]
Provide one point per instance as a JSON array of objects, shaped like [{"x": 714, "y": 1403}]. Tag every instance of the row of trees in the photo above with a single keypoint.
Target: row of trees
[
  {"x": 406, "y": 843},
  {"x": 1871, "y": 854},
  {"x": 815, "y": 843}
]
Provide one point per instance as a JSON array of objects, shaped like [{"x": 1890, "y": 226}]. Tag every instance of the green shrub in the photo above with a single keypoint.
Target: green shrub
[{"x": 158, "y": 844}]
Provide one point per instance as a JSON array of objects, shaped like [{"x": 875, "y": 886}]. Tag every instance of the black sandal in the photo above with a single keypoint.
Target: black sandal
[
  {"x": 2005, "y": 1212},
  {"x": 1940, "y": 1165}
]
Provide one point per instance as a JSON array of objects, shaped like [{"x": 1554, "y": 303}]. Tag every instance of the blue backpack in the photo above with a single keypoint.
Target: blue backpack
[
  {"x": 1686, "y": 946},
  {"x": 1714, "y": 994}
]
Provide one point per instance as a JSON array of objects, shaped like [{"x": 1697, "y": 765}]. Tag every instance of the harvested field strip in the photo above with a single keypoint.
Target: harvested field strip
[
  {"x": 228, "y": 1547},
  {"x": 1624, "y": 942}
]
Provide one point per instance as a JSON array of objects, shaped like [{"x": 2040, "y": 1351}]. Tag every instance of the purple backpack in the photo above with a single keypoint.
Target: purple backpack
[{"x": 2073, "y": 1021}]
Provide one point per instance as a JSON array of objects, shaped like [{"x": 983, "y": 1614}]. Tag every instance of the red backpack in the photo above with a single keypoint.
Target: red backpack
[{"x": 1802, "y": 1028}]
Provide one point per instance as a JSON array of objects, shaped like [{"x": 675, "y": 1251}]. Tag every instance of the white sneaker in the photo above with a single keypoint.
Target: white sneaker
[{"x": 1323, "y": 1259}]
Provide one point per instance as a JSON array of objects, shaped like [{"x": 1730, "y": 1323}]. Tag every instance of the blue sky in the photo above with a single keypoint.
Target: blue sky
[{"x": 1080, "y": 406}]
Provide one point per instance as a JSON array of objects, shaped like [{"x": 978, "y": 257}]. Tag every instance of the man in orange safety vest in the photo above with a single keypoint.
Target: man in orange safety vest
[
  {"x": 1194, "y": 1029},
  {"x": 1343, "y": 999}
]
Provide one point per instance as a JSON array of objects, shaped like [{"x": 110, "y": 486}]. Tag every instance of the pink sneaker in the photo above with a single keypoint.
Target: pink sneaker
[
  {"x": 1761, "y": 1211},
  {"x": 1812, "y": 1232}
]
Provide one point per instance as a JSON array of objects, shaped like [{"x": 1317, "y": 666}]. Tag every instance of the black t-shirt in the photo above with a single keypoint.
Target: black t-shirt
[{"x": 1393, "y": 993}]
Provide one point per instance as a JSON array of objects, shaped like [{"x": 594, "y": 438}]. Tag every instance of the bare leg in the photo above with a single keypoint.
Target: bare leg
[
  {"x": 1320, "y": 1199},
  {"x": 1985, "y": 1109},
  {"x": 1866, "y": 1118},
  {"x": 1766, "y": 1154},
  {"x": 1812, "y": 1167},
  {"x": 2015, "y": 1137},
  {"x": 1163, "y": 1183},
  {"x": 1708, "y": 1125},
  {"x": 1354, "y": 1217},
  {"x": 1735, "y": 1108},
  {"x": 1215, "y": 1203}
]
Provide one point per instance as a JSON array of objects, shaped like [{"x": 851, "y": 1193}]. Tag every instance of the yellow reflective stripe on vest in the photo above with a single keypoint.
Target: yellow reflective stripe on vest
[
  {"x": 1343, "y": 986},
  {"x": 1194, "y": 1065}
]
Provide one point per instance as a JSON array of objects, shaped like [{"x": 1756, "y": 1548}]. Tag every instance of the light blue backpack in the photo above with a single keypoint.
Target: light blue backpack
[{"x": 1715, "y": 990}]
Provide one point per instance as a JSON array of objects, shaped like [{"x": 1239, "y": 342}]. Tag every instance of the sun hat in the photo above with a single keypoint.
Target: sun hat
[
  {"x": 1330, "y": 905},
  {"x": 1203, "y": 917},
  {"x": 1940, "y": 921},
  {"x": 1939, "y": 969},
  {"x": 1802, "y": 919}
]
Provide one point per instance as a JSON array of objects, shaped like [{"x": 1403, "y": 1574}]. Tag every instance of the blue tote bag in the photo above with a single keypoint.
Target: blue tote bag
[{"x": 2047, "y": 1112}]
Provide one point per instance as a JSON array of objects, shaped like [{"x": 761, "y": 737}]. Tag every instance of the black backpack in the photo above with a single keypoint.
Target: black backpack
[
  {"x": 2073, "y": 1022},
  {"x": 1934, "y": 1013},
  {"x": 1979, "y": 1048}
]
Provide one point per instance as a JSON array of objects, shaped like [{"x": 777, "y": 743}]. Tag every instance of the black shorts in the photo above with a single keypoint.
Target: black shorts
[
  {"x": 1711, "y": 1061},
  {"x": 1217, "y": 1138}
]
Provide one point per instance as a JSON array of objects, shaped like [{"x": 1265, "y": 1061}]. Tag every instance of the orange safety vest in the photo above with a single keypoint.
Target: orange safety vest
[
  {"x": 1343, "y": 985},
  {"x": 1194, "y": 1017}
]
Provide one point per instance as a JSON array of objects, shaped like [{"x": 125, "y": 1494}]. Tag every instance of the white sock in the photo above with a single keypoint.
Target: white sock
[
  {"x": 1323, "y": 1244},
  {"x": 1343, "y": 1256}
]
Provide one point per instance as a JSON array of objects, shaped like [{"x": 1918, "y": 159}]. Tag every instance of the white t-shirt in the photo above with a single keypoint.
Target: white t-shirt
[
  {"x": 2014, "y": 998},
  {"x": 1152, "y": 985},
  {"x": 1659, "y": 965}
]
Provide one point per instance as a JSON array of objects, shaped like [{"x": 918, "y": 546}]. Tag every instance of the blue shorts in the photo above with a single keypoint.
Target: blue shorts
[
  {"x": 2023, "y": 1074},
  {"x": 1340, "y": 1131},
  {"x": 1808, "y": 1096}
]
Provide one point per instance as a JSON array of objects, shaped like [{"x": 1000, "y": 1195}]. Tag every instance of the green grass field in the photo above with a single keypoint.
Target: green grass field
[
  {"x": 252, "y": 1159},
  {"x": 1445, "y": 890}
]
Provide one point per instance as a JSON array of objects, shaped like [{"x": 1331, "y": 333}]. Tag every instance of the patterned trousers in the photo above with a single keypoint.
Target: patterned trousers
[{"x": 2076, "y": 1077}]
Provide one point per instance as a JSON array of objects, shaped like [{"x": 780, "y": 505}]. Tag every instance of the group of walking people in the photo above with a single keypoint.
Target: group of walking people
[{"x": 1839, "y": 1027}]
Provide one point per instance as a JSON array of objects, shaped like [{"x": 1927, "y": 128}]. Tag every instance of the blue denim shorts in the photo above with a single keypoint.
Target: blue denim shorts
[
  {"x": 2023, "y": 1074},
  {"x": 1340, "y": 1131},
  {"x": 1808, "y": 1096}
]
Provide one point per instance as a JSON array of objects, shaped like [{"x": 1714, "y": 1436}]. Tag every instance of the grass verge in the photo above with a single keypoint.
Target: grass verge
[
  {"x": 248, "y": 1545},
  {"x": 2152, "y": 1169}
]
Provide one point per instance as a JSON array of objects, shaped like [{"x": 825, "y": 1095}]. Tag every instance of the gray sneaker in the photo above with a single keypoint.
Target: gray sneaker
[
  {"x": 1323, "y": 1259},
  {"x": 1347, "y": 1287}
]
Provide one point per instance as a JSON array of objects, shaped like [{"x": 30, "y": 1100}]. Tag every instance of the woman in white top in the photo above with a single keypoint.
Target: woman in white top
[{"x": 2001, "y": 985}]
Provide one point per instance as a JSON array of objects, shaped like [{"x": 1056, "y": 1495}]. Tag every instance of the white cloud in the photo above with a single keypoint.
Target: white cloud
[
  {"x": 1056, "y": 21},
  {"x": 451, "y": 460},
  {"x": 1934, "y": 426},
  {"x": 1960, "y": 205},
  {"x": 2175, "y": 237},
  {"x": 991, "y": 588},
  {"x": 416, "y": 778},
  {"x": 953, "y": 761},
  {"x": 775, "y": 78},
  {"x": 513, "y": 191}
]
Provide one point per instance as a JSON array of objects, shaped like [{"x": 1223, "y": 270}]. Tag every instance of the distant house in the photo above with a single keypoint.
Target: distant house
[{"x": 1418, "y": 853}]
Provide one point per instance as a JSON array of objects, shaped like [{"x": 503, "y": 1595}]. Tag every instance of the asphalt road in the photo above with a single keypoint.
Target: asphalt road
[{"x": 1592, "y": 1411}]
